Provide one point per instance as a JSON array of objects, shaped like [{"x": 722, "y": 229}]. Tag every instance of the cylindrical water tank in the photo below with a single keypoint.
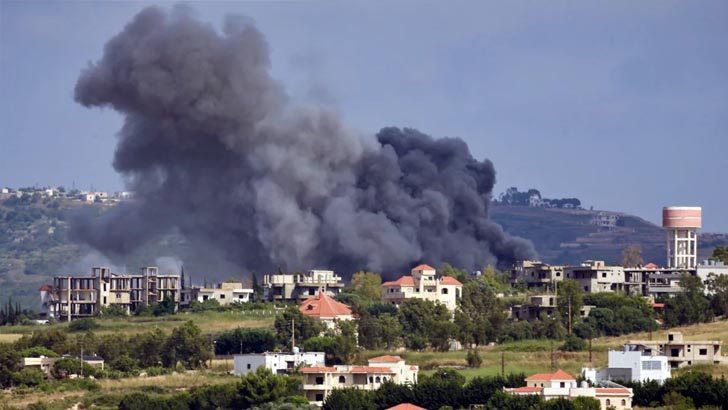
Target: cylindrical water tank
[{"x": 682, "y": 217}]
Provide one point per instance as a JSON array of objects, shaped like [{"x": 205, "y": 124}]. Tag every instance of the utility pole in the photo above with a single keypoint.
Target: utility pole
[
  {"x": 503, "y": 364},
  {"x": 552, "y": 356},
  {"x": 590, "y": 349},
  {"x": 293, "y": 334},
  {"x": 569, "y": 315},
  {"x": 82, "y": 360}
]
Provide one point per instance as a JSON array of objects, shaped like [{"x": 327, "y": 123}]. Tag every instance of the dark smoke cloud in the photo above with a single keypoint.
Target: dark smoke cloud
[{"x": 212, "y": 147}]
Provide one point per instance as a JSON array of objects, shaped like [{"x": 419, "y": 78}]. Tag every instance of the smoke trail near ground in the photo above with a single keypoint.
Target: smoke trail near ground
[{"x": 211, "y": 146}]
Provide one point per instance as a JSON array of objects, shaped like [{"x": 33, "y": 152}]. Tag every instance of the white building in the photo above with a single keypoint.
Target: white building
[
  {"x": 423, "y": 284},
  {"x": 596, "y": 276},
  {"x": 278, "y": 363},
  {"x": 633, "y": 363},
  {"x": 225, "y": 293},
  {"x": 319, "y": 382},
  {"x": 562, "y": 385}
]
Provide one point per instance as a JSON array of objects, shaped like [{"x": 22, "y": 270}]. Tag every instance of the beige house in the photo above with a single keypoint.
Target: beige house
[
  {"x": 537, "y": 274},
  {"x": 596, "y": 276},
  {"x": 326, "y": 310},
  {"x": 562, "y": 385},
  {"x": 682, "y": 352},
  {"x": 301, "y": 286},
  {"x": 225, "y": 293},
  {"x": 319, "y": 382},
  {"x": 83, "y": 296},
  {"x": 423, "y": 284}
]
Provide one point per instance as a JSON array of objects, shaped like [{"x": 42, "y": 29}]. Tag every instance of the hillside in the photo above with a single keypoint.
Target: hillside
[{"x": 34, "y": 245}]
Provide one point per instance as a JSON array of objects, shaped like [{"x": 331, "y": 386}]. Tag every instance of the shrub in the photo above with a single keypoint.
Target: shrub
[
  {"x": 573, "y": 343},
  {"x": 474, "y": 359},
  {"x": 83, "y": 324},
  {"x": 28, "y": 377}
]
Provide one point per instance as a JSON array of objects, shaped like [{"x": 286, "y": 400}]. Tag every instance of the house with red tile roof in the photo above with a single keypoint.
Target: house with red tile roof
[
  {"x": 560, "y": 384},
  {"x": 406, "y": 406},
  {"x": 423, "y": 283},
  {"x": 325, "y": 309},
  {"x": 319, "y": 382}
]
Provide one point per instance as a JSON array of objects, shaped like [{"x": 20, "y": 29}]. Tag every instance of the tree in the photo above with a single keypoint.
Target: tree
[
  {"x": 569, "y": 300},
  {"x": 720, "y": 253},
  {"x": 257, "y": 288},
  {"x": 586, "y": 403},
  {"x": 28, "y": 377},
  {"x": 305, "y": 327},
  {"x": 147, "y": 348},
  {"x": 443, "y": 388},
  {"x": 473, "y": 358},
  {"x": 459, "y": 274},
  {"x": 259, "y": 387},
  {"x": 367, "y": 285},
  {"x": 632, "y": 256},
  {"x": 245, "y": 340},
  {"x": 480, "y": 318},
  {"x": 349, "y": 399},
  {"x": 187, "y": 345},
  {"x": 390, "y": 331},
  {"x": 573, "y": 343},
  {"x": 689, "y": 306},
  {"x": 9, "y": 363},
  {"x": 424, "y": 322},
  {"x": 390, "y": 394},
  {"x": 718, "y": 287}
]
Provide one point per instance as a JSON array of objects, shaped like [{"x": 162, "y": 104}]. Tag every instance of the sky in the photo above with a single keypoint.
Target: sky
[{"x": 622, "y": 104}]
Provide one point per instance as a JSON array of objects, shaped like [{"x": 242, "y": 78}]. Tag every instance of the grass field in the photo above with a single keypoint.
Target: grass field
[{"x": 209, "y": 322}]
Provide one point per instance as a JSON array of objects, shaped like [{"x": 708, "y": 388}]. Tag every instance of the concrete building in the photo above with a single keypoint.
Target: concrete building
[
  {"x": 300, "y": 286},
  {"x": 542, "y": 305},
  {"x": 633, "y": 363},
  {"x": 681, "y": 352},
  {"x": 326, "y": 310},
  {"x": 423, "y": 284},
  {"x": 45, "y": 364},
  {"x": 225, "y": 293},
  {"x": 319, "y": 382},
  {"x": 709, "y": 268},
  {"x": 562, "y": 385},
  {"x": 536, "y": 274},
  {"x": 48, "y": 301},
  {"x": 605, "y": 221},
  {"x": 596, "y": 276},
  {"x": 83, "y": 296},
  {"x": 681, "y": 224},
  {"x": 278, "y": 363}
]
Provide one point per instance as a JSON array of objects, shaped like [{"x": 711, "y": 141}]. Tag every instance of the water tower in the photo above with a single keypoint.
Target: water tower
[{"x": 682, "y": 223}]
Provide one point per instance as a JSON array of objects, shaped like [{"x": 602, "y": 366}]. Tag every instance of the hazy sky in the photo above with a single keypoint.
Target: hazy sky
[{"x": 621, "y": 104}]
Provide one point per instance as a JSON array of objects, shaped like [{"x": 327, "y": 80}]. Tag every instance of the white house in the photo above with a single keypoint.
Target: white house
[
  {"x": 633, "y": 363},
  {"x": 423, "y": 284},
  {"x": 319, "y": 382},
  {"x": 225, "y": 293},
  {"x": 278, "y": 363},
  {"x": 562, "y": 385}
]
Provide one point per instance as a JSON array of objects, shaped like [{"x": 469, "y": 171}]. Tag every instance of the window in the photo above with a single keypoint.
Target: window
[
  {"x": 320, "y": 380},
  {"x": 248, "y": 366},
  {"x": 558, "y": 274},
  {"x": 624, "y": 402},
  {"x": 651, "y": 365},
  {"x": 670, "y": 337},
  {"x": 703, "y": 352},
  {"x": 222, "y": 296},
  {"x": 609, "y": 402},
  {"x": 319, "y": 397},
  {"x": 342, "y": 379},
  {"x": 562, "y": 385},
  {"x": 444, "y": 291},
  {"x": 604, "y": 274},
  {"x": 378, "y": 380},
  {"x": 371, "y": 379}
]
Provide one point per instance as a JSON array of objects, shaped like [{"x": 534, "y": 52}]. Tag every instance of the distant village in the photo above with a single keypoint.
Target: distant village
[
  {"x": 315, "y": 292},
  {"x": 88, "y": 196}
]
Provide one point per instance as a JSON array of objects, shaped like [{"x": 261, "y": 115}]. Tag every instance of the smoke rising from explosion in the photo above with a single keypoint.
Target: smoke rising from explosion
[{"x": 211, "y": 146}]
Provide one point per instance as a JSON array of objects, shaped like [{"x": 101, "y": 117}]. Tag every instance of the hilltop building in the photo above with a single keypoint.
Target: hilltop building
[
  {"x": 225, "y": 293},
  {"x": 562, "y": 385},
  {"x": 83, "y": 296},
  {"x": 423, "y": 284},
  {"x": 320, "y": 381},
  {"x": 300, "y": 286}
]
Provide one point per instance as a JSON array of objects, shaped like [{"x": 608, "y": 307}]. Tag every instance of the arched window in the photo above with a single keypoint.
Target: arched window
[
  {"x": 609, "y": 402},
  {"x": 444, "y": 291},
  {"x": 378, "y": 380},
  {"x": 624, "y": 402},
  {"x": 342, "y": 379},
  {"x": 384, "y": 379},
  {"x": 371, "y": 379}
]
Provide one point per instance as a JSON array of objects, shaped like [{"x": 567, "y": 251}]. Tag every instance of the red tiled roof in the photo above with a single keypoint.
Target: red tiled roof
[
  {"x": 449, "y": 280},
  {"x": 403, "y": 281},
  {"x": 525, "y": 390},
  {"x": 658, "y": 305},
  {"x": 370, "y": 369},
  {"x": 45, "y": 288},
  {"x": 651, "y": 266},
  {"x": 557, "y": 375},
  {"x": 618, "y": 391},
  {"x": 385, "y": 359},
  {"x": 319, "y": 369},
  {"x": 406, "y": 406},
  {"x": 423, "y": 267},
  {"x": 323, "y": 305}
]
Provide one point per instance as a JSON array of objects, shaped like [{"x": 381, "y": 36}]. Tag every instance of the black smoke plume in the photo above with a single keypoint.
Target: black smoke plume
[{"x": 212, "y": 147}]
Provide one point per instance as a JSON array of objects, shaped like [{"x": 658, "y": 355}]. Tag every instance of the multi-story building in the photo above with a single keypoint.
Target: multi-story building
[
  {"x": 681, "y": 352},
  {"x": 632, "y": 363},
  {"x": 301, "y": 286},
  {"x": 542, "y": 305},
  {"x": 537, "y": 274},
  {"x": 320, "y": 381},
  {"x": 595, "y": 276},
  {"x": 225, "y": 293},
  {"x": 423, "y": 284},
  {"x": 82, "y": 296},
  {"x": 562, "y": 385},
  {"x": 277, "y": 362}
]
